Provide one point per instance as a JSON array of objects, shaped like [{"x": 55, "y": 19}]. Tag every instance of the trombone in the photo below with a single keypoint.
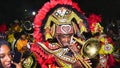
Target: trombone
[{"x": 90, "y": 49}]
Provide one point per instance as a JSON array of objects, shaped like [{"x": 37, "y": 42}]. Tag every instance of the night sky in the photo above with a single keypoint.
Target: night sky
[{"x": 12, "y": 9}]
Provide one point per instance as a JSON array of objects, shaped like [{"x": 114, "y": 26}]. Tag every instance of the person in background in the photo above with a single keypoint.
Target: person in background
[
  {"x": 22, "y": 43},
  {"x": 6, "y": 56}
]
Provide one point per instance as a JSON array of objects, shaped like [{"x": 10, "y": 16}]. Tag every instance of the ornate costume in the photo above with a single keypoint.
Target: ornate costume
[{"x": 59, "y": 29}]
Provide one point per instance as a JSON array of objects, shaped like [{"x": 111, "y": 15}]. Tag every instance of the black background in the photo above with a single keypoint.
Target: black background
[{"x": 12, "y": 9}]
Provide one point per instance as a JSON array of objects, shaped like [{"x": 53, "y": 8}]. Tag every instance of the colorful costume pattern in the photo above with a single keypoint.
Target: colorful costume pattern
[{"x": 59, "y": 18}]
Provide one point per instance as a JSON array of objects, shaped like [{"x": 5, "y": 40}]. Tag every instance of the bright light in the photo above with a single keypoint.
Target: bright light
[
  {"x": 33, "y": 13},
  {"x": 25, "y": 10},
  {"x": 92, "y": 50}
]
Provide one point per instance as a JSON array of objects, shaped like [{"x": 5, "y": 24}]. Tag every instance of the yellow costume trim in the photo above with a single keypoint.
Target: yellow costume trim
[
  {"x": 105, "y": 45},
  {"x": 97, "y": 28},
  {"x": 103, "y": 51},
  {"x": 47, "y": 34},
  {"x": 63, "y": 64},
  {"x": 53, "y": 30}
]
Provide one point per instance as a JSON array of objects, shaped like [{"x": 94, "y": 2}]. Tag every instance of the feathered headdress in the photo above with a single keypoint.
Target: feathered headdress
[{"x": 45, "y": 12}]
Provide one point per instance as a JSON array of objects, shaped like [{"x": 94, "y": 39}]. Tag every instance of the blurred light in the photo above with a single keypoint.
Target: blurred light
[
  {"x": 25, "y": 10},
  {"x": 33, "y": 13}
]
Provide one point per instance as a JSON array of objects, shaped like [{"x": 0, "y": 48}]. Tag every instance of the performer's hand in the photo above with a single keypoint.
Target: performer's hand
[
  {"x": 87, "y": 60},
  {"x": 74, "y": 47}
]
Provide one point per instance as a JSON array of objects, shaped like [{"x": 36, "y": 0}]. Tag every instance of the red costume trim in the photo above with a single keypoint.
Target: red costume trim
[{"x": 93, "y": 19}]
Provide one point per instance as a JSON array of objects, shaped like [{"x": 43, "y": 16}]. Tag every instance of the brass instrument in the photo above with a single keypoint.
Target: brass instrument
[
  {"x": 80, "y": 58},
  {"x": 90, "y": 49},
  {"x": 27, "y": 25}
]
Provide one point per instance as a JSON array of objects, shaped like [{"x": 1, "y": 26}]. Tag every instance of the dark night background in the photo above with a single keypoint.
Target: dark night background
[
  {"x": 13, "y": 9},
  {"x": 109, "y": 10}
]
